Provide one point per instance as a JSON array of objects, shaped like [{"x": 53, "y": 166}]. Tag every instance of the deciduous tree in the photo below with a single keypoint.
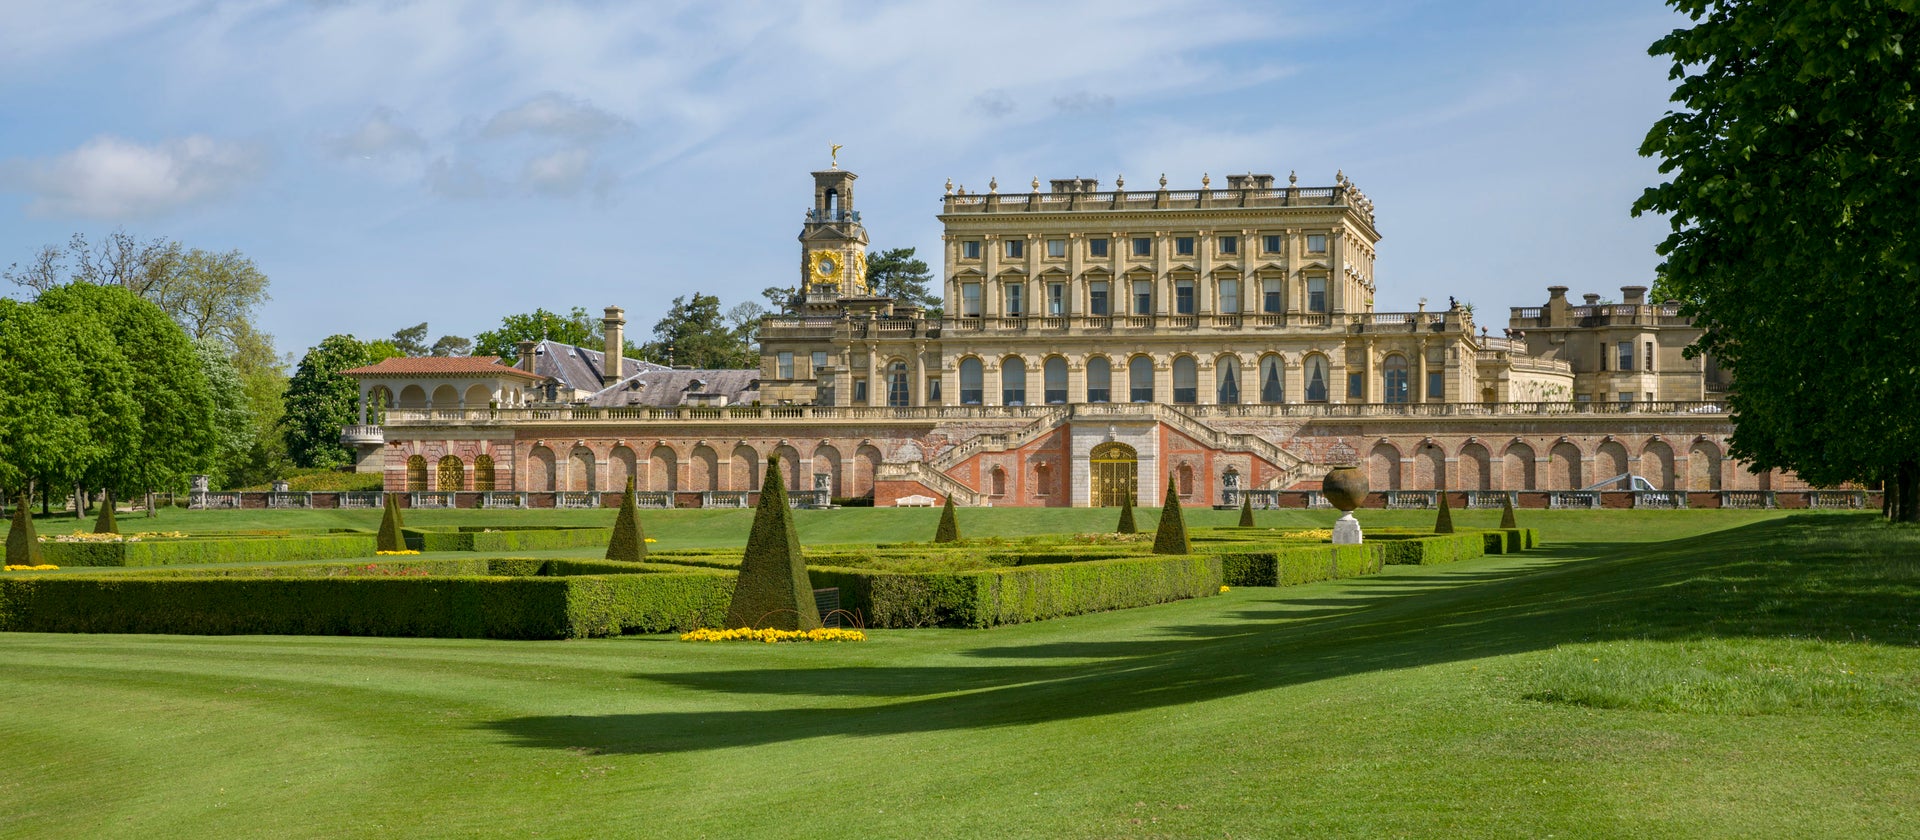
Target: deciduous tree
[
  {"x": 699, "y": 336},
  {"x": 575, "y": 327},
  {"x": 320, "y": 402},
  {"x": 1793, "y": 161}
]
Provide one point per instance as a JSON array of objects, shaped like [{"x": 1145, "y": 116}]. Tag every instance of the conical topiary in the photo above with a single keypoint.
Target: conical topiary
[
  {"x": 23, "y": 545},
  {"x": 1171, "y": 536},
  {"x": 390, "y": 537},
  {"x": 1246, "y": 510},
  {"x": 1126, "y": 515},
  {"x": 949, "y": 530},
  {"x": 104, "y": 523},
  {"x": 629, "y": 540},
  {"x": 773, "y": 590},
  {"x": 1443, "y": 523},
  {"x": 1506, "y": 512}
]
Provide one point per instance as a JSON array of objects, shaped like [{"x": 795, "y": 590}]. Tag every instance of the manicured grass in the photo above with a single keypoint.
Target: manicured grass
[{"x": 1754, "y": 679}]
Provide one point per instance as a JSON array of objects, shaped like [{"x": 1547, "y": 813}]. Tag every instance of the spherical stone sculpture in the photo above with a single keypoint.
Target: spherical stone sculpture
[{"x": 1346, "y": 488}]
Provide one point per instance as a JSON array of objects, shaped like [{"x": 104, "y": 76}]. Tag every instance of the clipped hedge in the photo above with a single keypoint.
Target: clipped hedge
[
  {"x": 511, "y": 539},
  {"x": 173, "y": 552},
  {"x": 1431, "y": 550},
  {"x": 445, "y": 607},
  {"x": 993, "y": 597},
  {"x": 1288, "y": 566}
]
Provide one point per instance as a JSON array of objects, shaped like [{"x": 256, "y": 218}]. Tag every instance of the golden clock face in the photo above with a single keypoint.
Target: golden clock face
[{"x": 825, "y": 265}]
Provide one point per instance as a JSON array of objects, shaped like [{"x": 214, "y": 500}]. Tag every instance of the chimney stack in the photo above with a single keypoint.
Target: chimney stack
[
  {"x": 1636, "y": 295},
  {"x": 1556, "y": 308},
  {"x": 614, "y": 325},
  {"x": 526, "y": 356},
  {"x": 1592, "y": 299}
]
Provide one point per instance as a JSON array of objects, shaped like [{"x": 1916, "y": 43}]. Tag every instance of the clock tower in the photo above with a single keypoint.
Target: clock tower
[{"x": 833, "y": 244}]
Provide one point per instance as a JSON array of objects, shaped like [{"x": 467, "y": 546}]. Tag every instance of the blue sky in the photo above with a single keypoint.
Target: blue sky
[{"x": 393, "y": 162}]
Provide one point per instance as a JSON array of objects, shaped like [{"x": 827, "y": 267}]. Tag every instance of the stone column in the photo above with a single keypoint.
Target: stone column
[{"x": 919, "y": 374}]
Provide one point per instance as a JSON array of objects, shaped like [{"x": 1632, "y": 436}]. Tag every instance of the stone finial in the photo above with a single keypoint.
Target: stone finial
[
  {"x": 1036, "y": 183},
  {"x": 1205, "y": 180},
  {"x": 949, "y": 186},
  {"x": 1163, "y": 180},
  {"x": 1119, "y": 182},
  {"x": 1339, "y": 176},
  {"x": 993, "y": 184},
  {"x": 1293, "y": 177}
]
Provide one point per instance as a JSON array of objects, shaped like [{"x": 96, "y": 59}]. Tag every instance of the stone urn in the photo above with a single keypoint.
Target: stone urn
[{"x": 1345, "y": 487}]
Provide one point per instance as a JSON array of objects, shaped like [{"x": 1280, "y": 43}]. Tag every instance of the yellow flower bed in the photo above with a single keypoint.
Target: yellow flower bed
[
  {"x": 395, "y": 553},
  {"x": 1311, "y": 534},
  {"x": 747, "y": 634},
  {"x": 85, "y": 537},
  {"x": 40, "y": 568}
]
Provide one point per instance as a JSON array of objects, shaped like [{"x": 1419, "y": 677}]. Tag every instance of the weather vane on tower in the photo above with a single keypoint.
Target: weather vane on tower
[{"x": 834, "y": 153}]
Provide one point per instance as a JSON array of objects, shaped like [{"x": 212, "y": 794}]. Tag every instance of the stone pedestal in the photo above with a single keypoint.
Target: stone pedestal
[{"x": 1346, "y": 530}]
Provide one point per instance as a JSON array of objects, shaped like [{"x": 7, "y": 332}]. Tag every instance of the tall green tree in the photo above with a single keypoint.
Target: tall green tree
[
  {"x": 41, "y": 437},
  {"x": 320, "y": 402},
  {"x": 173, "y": 423},
  {"x": 1793, "y": 159},
  {"x": 897, "y": 274},
  {"x": 411, "y": 341},
  {"x": 233, "y": 426},
  {"x": 576, "y": 328},
  {"x": 694, "y": 332}
]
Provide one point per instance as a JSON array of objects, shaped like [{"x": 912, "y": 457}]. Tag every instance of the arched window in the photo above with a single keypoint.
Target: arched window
[
  {"x": 1393, "y": 379},
  {"x": 997, "y": 482},
  {"x": 1183, "y": 477},
  {"x": 1043, "y": 479},
  {"x": 1316, "y": 372},
  {"x": 417, "y": 473},
  {"x": 897, "y": 384},
  {"x": 1140, "y": 380},
  {"x": 1227, "y": 380},
  {"x": 1013, "y": 381},
  {"x": 1272, "y": 389},
  {"x": 453, "y": 475},
  {"x": 483, "y": 473},
  {"x": 1186, "y": 381},
  {"x": 971, "y": 381},
  {"x": 1054, "y": 374},
  {"x": 1099, "y": 380}
]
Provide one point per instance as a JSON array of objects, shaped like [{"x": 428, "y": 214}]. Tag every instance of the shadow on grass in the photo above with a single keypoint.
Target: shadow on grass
[{"x": 1803, "y": 577}]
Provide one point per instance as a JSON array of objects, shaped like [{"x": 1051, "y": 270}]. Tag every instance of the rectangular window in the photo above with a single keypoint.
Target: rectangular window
[
  {"x": 1142, "y": 246},
  {"x": 1273, "y": 244},
  {"x": 1316, "y": 294},
  {"x": 970, "y": 300},
  {"x": 1356, "y": 386},
  {"x": 1143, "y": 297},
  {"x": 1016, "y": 249},
  {"x": 1316, "y": 243},
  {"x": 860, "y": 391},
  {"x": 1626, "y": 356},
  {"x": 1229, "y": 244},
  {"x": 933, "y": 390},
  {"x": 1057, "y": 248},
  {"x": 970, "y": 249},
  {"x": 1016, "y": 302},
  {"x": 1649, "y": 396},
  {"x": 1583, "y": 398},
  {"x": 1097, "y": 247},
  {"x": 1229, "y": 297},
  {"x": 1056, "y": 299},
  {"x": 1183, "y": 297},
  {"x": 786, "y": 365},
  {"x": 1270, "y": 295},
  {"x": 1183, "y": 245},
  {"x": 1436, "y": 386},
  {"x": 1097, "y": 298},
  {"x": 1648, "y": 354},
  {"x": 1626, "y": 396},
  {"x": 819, "y": 360}
]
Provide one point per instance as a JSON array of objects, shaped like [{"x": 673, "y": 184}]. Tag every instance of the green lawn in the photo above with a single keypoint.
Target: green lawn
[{"x": 1705, "y": 673}]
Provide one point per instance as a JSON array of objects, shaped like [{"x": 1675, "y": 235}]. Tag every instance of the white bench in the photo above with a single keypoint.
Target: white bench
[{"x": 915, "y": 501}]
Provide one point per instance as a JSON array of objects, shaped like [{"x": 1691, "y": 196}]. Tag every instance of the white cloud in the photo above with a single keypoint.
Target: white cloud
[
  {"x": 554, "y": 115},
  {"x": 380, "y": 135},
  {"x": 562, "y": 173},
  {"x": 112, "y": 178}
]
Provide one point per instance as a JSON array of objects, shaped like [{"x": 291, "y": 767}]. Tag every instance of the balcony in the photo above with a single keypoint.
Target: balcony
[{"x": 368, "y": 435}]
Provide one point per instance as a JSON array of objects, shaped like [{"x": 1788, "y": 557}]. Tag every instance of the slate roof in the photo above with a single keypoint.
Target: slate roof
[
  {"x": 439, "y": 366},
  {"x": 579, "y": 367},
  {"x": 664, "y": 388}
]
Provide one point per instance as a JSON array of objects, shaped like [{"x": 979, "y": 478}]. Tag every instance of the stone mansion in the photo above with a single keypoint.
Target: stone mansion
[{"x": 1094, "y": 344}]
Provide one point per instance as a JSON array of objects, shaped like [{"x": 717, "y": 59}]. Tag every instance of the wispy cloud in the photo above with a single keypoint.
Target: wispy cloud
[
  {"x": 555, "y": 115},
  {"x": 380, "y": 135},
  {"x": 108, "y": 177}
]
